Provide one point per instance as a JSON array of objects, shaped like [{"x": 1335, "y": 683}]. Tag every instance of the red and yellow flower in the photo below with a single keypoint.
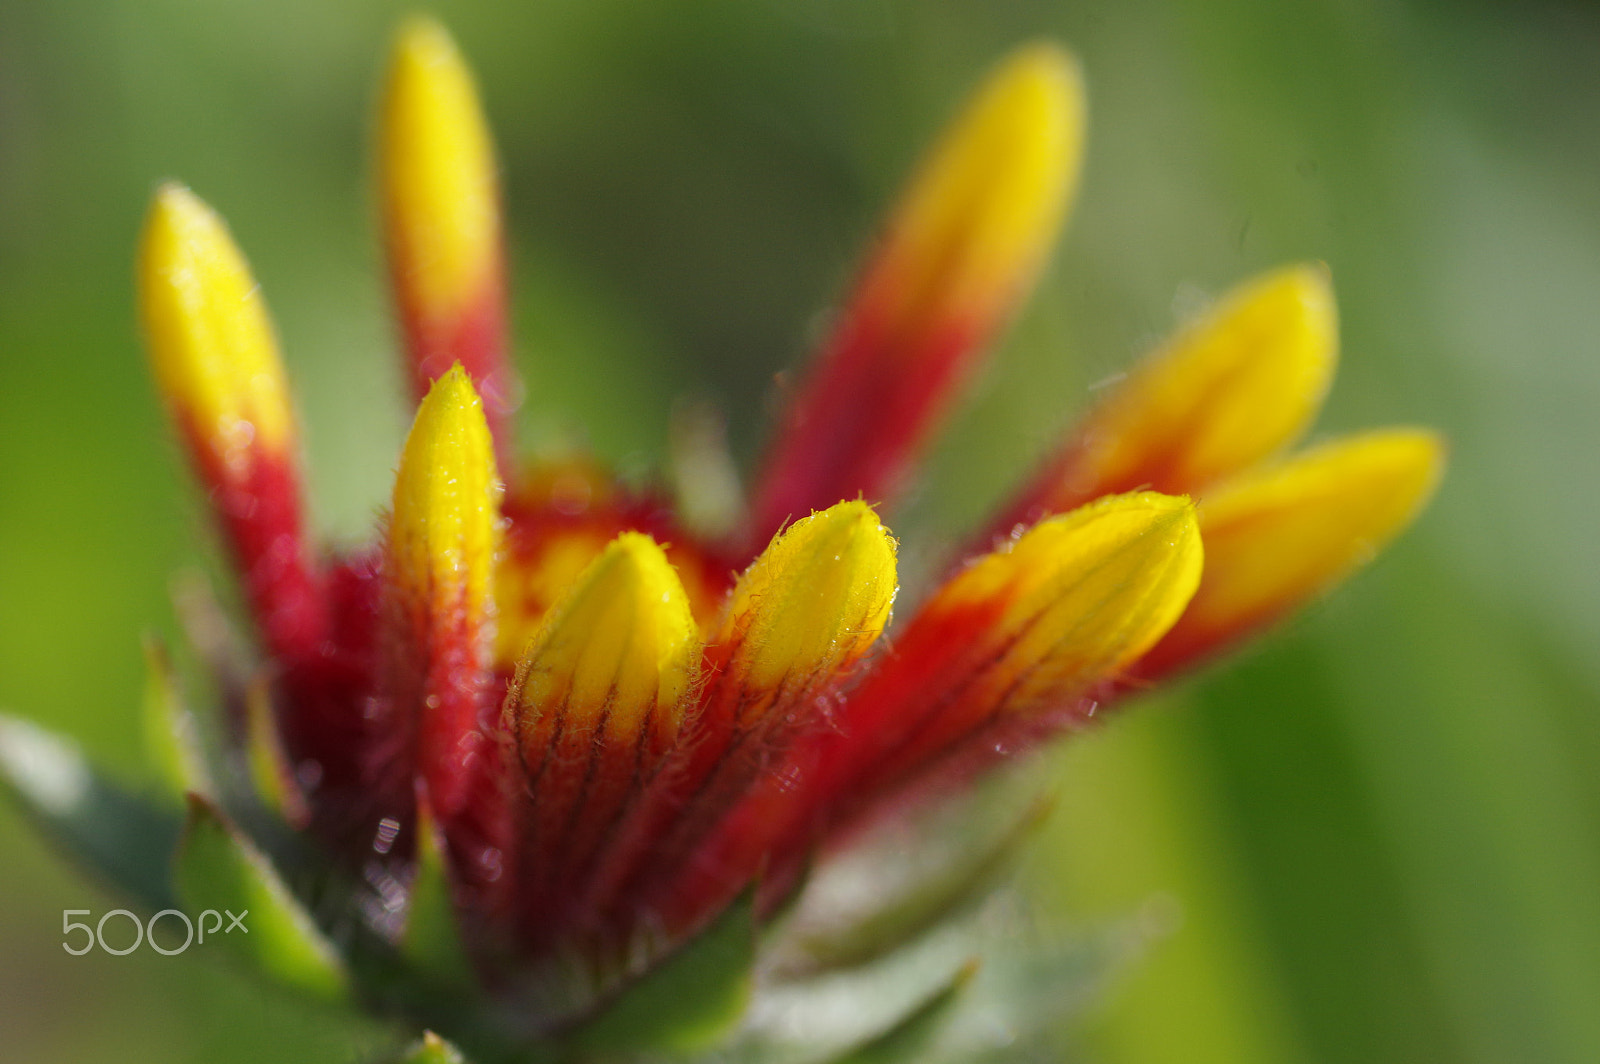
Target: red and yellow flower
[{"x": 611, "y": 727}]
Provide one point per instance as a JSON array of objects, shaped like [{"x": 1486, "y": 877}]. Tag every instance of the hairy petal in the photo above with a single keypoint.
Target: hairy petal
[
  {"x": 438, "y": 561},
  {"x": 599, "y": 699},
  {"x": 1236, "y": 386},
  {"x": 959, "y": 253},
  {"x": 216, "y": 362},
  {"x": 798, "y": 620},
  {"x": 1003, "y": 652}
]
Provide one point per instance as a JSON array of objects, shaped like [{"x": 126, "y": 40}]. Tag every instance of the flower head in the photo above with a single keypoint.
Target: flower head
[{"x": 540, "y": 730}]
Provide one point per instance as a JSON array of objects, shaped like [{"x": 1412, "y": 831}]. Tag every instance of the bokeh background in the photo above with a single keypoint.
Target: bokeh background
[{"x": 1374, "y": 837}]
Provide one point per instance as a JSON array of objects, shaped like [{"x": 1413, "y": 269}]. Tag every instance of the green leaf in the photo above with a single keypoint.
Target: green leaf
[
  {"x": 909, "y": 1041},
  {"x": 218, "y": 870},
  {"x": 901, "y": 879},
  {"x": 688, "y": 1003},
  {"x": 112, "y": 833},
  {"x": 827, "y": 1015},
  {"x": 1034, "y": 980}
]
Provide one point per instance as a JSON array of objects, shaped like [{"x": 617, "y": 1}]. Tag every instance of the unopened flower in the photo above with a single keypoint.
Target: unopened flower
[{"x": 509, "y": 768}]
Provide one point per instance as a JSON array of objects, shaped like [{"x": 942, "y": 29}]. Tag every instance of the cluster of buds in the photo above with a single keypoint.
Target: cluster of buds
[{"x": 541, "y": 742}]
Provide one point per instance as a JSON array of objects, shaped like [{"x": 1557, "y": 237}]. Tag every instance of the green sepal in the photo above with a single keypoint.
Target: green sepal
[
  {"x": 690, "y": 1001},
  {"x": 901, "y": 879},
  {"x": 171, "y": 733},
  {"x": 910, "y": 1040},
  {"x": 271, "y": 776},
  {"x": 830, "y": 1014},
  {"x": 216, "y": 868},
  {"x": 431, "y": 1049},
  {"x": 117, "y": 836},
  {"x": 431, "y": 942}
]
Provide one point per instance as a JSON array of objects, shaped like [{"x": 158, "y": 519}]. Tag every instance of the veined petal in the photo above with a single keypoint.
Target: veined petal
[
  {"x": 798, "y": 619},
  {"x": 562, "y": 513},
  {"x": 216, "y": 362},
  {"x": 1016, "y": 639},
  {"x": 438, "y": 562},
  {"x": 1029, "y": 628},
  {"x": 599, "y": 698},
  {"x": 806, "y": 611},
  {"x": 960, "y": 251},
  {"x": 1234, "y": 387},
  {"x": 808, "y": 608},
  {"x": 1279, "y": 536},
  {"x": 441, "y": 212}
]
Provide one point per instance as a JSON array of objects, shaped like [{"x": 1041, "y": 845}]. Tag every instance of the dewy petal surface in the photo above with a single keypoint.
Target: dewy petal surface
[
  {"x": 1003, "y": 651},
  {"x": 441, "y": 213},
  {"x": 674, "y": 733},
  {"x": 1278, "y": 536},
  {"x": 799, "y": 618},
  {"x": 812, "y": 603},
  {"x": 1028, "y": 628},
  {"x": 1237, "y": 385},
  {"x": 210, "y": 341},
  {"x": 599, "y": 699},
  {"x": 960, "y": 251},
  {"x": 438, "y": 564},
  {"x": 216, "y": 362}
]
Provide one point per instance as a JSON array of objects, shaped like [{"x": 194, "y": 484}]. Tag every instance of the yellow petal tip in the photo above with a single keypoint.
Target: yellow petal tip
[
  {"x": 206, "y": 328},
  {"x": 443, "y": 529},
  {"x": 1235, "y": 386},
  {"x": 1278, "y": 536},
  {"x": 619, "y": 653},
  {"x": 440, "y": 193},
  {"x": 985, "y": 206},
  {"x": 1093, "y": 589},
  {"x": 816, "y": 598},
  {"x": 1025, "y": 631}
]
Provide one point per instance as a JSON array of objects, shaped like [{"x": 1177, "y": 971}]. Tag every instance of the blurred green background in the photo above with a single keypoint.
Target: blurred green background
[{"x": 1374, "y": 837}]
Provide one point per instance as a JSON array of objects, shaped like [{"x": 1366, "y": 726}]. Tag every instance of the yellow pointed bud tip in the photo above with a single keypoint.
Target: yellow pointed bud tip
[
  {"x": 441, "y": 199},
  {"x": 1234, "y": 387},
  {"x": 623, "y": 643},
  {"x": 1087, "y": 592},
  {"x": 1278, "y": 536},
  {"x": 210, "y": 342},
  {"x": 985, "y": 206},
  {"x": 816, "y": 598},
  {"x": 444, "y": 527}
]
